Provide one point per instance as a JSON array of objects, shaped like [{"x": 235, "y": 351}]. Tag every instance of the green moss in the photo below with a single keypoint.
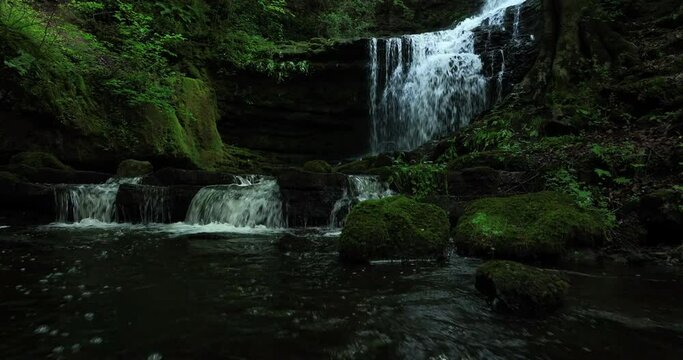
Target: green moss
[
  {"x": 8, "y": 177},
  {"x": 394, "y": 228},
  {"x": 38, "y": 159},
  {"x": 537, "y": 226},
  {"x": 133, "y": 168},
  {"x": 188, "y": 131},
  {"x": 525, "y": 290},
  {"x": 318, "y": 166}
]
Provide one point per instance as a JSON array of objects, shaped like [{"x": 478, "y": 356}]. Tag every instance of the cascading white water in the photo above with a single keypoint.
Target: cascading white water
[
  {"x": 155, "y": 207},
  {"x": 361, "y": 188},
  {"x": 427, "y": 84},
  {"x": 89, "y": 202},
  {"x": 253, "y": 201}
]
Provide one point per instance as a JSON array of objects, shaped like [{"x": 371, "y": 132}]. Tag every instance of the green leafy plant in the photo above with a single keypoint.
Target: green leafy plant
[{"x": 420, "y": 180}]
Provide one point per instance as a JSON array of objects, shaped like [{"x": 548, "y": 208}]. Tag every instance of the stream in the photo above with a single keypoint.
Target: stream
[{"x": 185, "y": 291}]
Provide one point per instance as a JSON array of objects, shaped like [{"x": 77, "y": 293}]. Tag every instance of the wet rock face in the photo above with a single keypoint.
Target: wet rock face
[
  {"x": 322, "y": 114},
  {"x": 325, "y": 113},
  {"x": 56, "y": 176},
  {"x": 173, "y": 176},
  {"x": 133, "y": 168},
  {"x": 309, "y": 198},
  {"x": 154, "y": 204},
  {"x": 509, "y": 53},
  {"x": 23, "y": 201},
  {"x": 662, "y": 215}
]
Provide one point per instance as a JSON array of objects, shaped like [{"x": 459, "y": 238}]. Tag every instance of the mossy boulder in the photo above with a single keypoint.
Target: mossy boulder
[
  {"x": 318, "y": 166},
  {"x": 366, "y": 165},
  {"x": 520, "y": 289},
  {"x": 37, "y": 159},
  {"x": 394, "y": 228},
  {"x": 133, "y": 168},
  {"x": 187, "y": 132},
  {"x": 537, "y": 226}
]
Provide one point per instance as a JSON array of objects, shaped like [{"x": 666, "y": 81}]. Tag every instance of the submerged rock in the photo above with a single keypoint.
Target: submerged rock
[
  {"x": 294, "y": 243},
  {"x": 538, "y": 226},
  {"x": 520, "y": 289},
  {"x": 394, "y": 228},
  {"x": 134, "y": 168}
]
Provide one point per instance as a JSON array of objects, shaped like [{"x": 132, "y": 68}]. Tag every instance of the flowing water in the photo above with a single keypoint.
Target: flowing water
[
  {"x": 253, "y": 201},
  {"x": 361, "y": 188},
  {"x": 149, "y": 293},
  {"x": 425, "y": 85},
  {"x": 76, "y": 203}
]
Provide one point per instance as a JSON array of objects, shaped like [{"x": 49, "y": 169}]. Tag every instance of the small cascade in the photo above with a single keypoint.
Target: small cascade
[
  {"x": 361, "y": 188},
  {"x": 518, "y": 15},
  {"x": 155, "y": 207},
  {"x": 252, "y": 201},
  {"x": 75, "y": 203},
  {"x": 425, "y": 85},
  {"x": 501, "y": 75}
]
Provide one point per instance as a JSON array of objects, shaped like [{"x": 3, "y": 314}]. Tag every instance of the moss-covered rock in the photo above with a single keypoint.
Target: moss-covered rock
[
  {"x": 520, "y": 289},
  {"x": 7, "y": 177},
  {"x": 538, "y": 226},
  {"x": 500, "y": 160},
  {"x": 133, "y": 168},
  {"x": 37, "y": 159},
  {"x": 318, "y": 166},
  {"x": 186, "y": 132},
  {"x": 394, "y": 228},
  {"x": 366, "y": 165}
]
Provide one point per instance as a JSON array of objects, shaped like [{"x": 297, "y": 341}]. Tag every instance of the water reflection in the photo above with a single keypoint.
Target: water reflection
[{"x": 134, "y": 293}]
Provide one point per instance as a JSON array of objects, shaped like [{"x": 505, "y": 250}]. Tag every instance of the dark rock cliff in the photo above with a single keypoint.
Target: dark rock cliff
[{"x": 324, "y": 114}]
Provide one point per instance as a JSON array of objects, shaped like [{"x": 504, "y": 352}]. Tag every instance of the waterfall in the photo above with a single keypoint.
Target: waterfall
[
  {"x": 252, "y": 201},
  {"x": 518, "y": 15},
  {"x": 155, "y": 207},
  {"x": 89, "y": 202},
  {"x": 426, "y": 85},
  {"x": 360, "y": 188}
]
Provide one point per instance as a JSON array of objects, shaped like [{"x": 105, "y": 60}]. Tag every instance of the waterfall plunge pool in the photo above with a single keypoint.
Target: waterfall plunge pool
[{"x": 133, "y": 292}]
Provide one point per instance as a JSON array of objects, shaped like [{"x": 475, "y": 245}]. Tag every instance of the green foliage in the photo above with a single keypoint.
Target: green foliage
[
  {"x": 620, "y": 158},
  {"x": 281, "y": 70},
  {"x": 349, "y": 18},
  {"x": 48, "y": 64},
  {"x": 142, "y": 74},
  {"x": 419, "y": 180},
  {"x": 565, "y": 180},
  {"x": 493, "y": 135}
]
